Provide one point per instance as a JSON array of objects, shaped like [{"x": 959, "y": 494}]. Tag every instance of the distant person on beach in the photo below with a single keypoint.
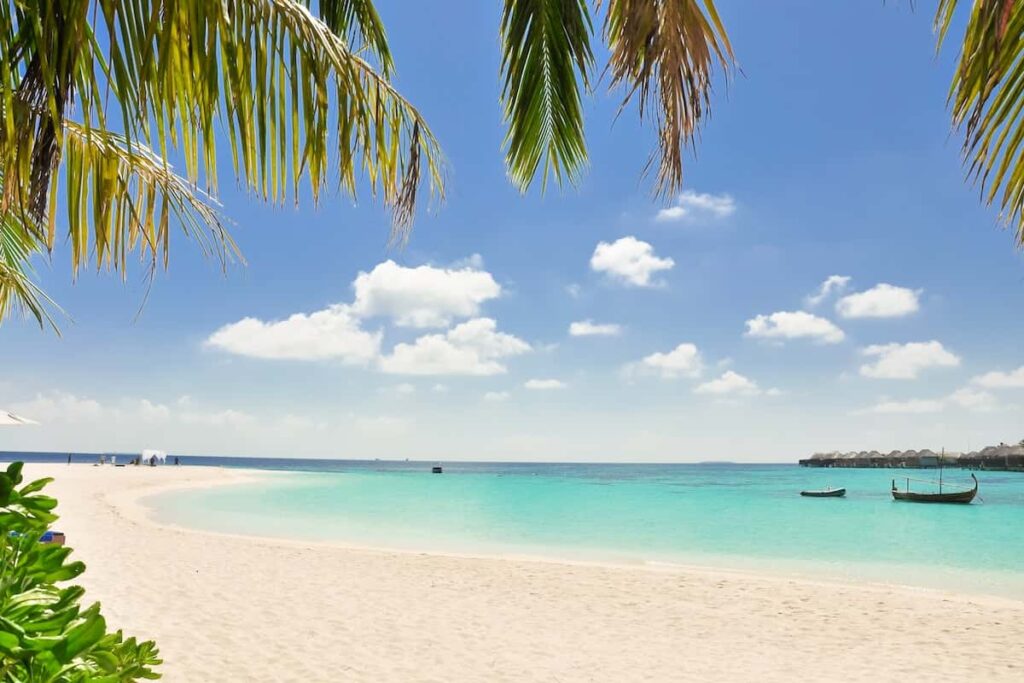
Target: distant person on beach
[
  {"x": 69, "y": 458},
  {"x": 176, "y": 460}
]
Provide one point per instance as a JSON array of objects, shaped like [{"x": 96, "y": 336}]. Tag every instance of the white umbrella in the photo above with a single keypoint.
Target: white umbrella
[{"x": 12, "y": 419}]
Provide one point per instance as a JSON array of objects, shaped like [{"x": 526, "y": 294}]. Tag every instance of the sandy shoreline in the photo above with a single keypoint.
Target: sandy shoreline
[{"x": 226, "y": 607}]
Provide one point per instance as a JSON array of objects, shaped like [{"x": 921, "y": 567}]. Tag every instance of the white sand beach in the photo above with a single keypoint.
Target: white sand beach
[{"x": 227, "y": 608}]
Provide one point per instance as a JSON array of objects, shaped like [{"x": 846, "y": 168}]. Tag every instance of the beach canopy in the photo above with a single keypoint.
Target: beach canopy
[
  {"x": 149, "y": 453},
  {"x": 12, "y": 419}
]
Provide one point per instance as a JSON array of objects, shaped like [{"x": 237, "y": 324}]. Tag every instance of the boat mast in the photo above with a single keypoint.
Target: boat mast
[{"x": 941, "y": 458}]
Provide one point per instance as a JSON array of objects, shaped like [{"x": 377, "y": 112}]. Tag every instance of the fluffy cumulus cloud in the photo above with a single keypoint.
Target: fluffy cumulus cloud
[
  {"x": 794, "y": 325},
  {"x": 963, "y": 399},
  {"x": 973, "y": 399},
  {"x": 59, "y": 406},
  {"x": 496, "y": 396},
  {"x": 729, "y": 384},
  {"x": 420, "y": 297},
  {"x": 332, "y": 333},
  {"x": 692, "y": 204},
  {"x": 474, "y": 347},
  {"x": 544, "y": 384},
  {"x": 682, "y": 361},
  {"x": 629, "y": 260},
  {"x": 423, "y": 296},
  {"x": 1014, "y": 379},
  {"x": 906, "y": 361},
  {"x": 881, "y": 301},
  {"x": 911, "y": 407},
  {"x": 833, "y": 284},
  {"x": 220, "y": 418},
  {"x": 588, "y": 328}
]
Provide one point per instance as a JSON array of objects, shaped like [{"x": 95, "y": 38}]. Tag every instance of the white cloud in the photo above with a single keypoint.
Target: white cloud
[
  {"x": 381, "y": 425},
  {"x": 574, "y": 290},
  {"x": 906, "y": 361},
  {"x": 405, "y": 389},
  {"x": 220, "y": 418},
  {"x": 682, "y": 361},
  {"x": 59, "y": 406},
  {"x": 881, "y": 301},
  {"x": 973, "y": 399},
  {"x": 730, "y": 383},
  {"x": 496, "y": 396},
  {"x": 913, "y": 406},
  {"x": 472, "y": 348},
  {"x": 629, "y": 260},
  {"x": 833, "y": 284},
  {"x": 474, "y": 261},
  {"x": 440, "y": 389},
  {"x": 966, "y": 398},
  {"x": 1014, "y": 379},
  {"x": 692, "y": 204},
  {"x": 423, "y": 296},
  {"x": 544, "y": 384},
  {"x": 588, "y": 328},
  {"x": 794, "y": 325},
  {"x": 332, "y": 333},
  {"x": 153, "y": 412}
]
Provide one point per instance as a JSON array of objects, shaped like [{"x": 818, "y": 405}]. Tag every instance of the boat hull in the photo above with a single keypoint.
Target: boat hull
[
  {"x": 958, "y": 497},
  {"x": 962, "y": 497},
  {"x": 833, "y": 493}
]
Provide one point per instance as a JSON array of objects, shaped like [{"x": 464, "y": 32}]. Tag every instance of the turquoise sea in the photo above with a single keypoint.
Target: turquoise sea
[{"x": 747, "y": 517}]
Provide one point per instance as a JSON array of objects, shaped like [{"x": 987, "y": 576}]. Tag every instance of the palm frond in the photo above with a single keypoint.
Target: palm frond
[
  {"x": 290, "y": 93},
  {"x": 134, "y": 200},
  {"x": 664, "y": 52},
  {"x": 359, "y": 22},
  {"x": 18, "y": 293},
  {"x": 546, "y": 60},
  {"x": 271, "y": 68},
  {"x": 987, "y": 100}
]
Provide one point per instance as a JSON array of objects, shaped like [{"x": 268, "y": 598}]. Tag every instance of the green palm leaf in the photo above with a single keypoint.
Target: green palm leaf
[
  {"x": 18, "y": 294},
  {"x": 546, "y": 56},
  {"x": 135, "y": 200},
  {"x": 987, "y": 99},
  {"x": 359, "y": 22},
  {"x": 664, "y": 52}
]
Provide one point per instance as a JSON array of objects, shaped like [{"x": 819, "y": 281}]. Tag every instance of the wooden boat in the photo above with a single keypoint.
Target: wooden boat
[
  {"x": 826, "y": 493},
  {"x": 962, "y": 496}
]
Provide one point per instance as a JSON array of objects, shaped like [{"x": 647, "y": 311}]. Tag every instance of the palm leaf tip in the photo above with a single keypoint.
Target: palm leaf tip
[
  {"x": 665, "y": 54},
  {"x": 987, "y": 101},
  {"x": 546, "y": 61}
]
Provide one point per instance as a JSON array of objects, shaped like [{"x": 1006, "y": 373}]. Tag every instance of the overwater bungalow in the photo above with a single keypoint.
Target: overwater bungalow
[
  {"x": 927, "y": 458},
  {"x": 894, "y": 459},
  {"x": 1002, "y": 457},
  {"x": 908, "y": 458}
]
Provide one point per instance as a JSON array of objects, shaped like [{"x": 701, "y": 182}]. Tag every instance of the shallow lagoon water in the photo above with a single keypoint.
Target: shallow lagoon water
[{"x": 741, "y": 516}]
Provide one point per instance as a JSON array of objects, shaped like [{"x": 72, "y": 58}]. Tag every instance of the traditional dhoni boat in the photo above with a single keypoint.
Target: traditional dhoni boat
[
  {"x": 956, "y": 496},
  {"x": 825, "y": 493}
]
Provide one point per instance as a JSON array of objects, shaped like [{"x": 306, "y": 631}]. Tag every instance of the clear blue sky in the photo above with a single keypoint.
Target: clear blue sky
[{"x": 829, "y": 155}]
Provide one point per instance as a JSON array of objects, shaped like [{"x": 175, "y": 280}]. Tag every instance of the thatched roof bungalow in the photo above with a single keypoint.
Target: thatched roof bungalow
[
  {"x": 927, "y": 458},
  {"x": 894, "y": 459},
  {"x": 909, "y": 459}
]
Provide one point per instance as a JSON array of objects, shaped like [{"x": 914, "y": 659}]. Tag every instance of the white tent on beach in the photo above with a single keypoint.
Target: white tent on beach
[{"x": 149, "y": 453}]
